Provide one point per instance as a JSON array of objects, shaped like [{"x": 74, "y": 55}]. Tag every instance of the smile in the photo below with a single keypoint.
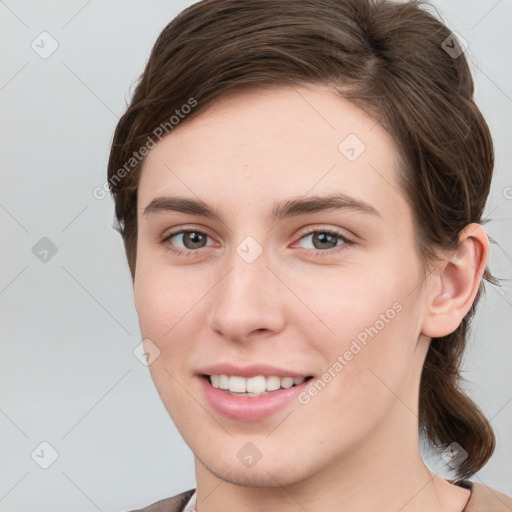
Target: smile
[
  {"x": 252, "y": 398},
  {"x": 253, "y": 386}
]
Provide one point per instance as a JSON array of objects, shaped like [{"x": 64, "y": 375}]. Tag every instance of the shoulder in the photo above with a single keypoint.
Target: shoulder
[
  {"x": 174, "y": 504},
  {"x": 483, "y": 499},
  {"x": 487, "y": 499}
]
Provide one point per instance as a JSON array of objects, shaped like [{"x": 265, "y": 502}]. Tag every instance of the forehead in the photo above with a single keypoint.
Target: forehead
[{"x": 267, "y": 144}]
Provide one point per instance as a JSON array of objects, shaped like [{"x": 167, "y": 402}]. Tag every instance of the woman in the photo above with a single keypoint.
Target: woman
[{"x": 299, "y": 187}]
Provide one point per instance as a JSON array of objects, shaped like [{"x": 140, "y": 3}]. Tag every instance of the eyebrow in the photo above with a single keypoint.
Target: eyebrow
[{"x": 288, "y": 208}]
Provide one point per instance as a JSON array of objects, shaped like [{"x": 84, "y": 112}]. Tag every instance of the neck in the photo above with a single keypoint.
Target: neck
[{"x": 381, "y": 476}]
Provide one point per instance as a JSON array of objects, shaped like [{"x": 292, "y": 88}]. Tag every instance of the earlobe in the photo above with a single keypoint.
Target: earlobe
[{"x": 454, "y": 287}]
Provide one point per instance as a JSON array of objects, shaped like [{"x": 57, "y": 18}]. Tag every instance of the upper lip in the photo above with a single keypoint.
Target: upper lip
[{"x": 249, "y": 371}]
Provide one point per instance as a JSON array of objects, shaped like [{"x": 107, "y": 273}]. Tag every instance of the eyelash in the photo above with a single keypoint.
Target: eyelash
[{"x": 315, "y": 252}]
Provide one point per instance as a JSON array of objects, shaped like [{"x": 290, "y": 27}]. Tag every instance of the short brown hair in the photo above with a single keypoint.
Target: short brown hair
[{"x": 391, "y": 59}]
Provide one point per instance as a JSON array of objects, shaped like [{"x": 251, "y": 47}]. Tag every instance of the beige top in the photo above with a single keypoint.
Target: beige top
[{"x": 482, "y": 499}]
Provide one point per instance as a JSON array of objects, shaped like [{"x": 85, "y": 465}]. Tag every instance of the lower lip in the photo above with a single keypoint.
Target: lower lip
[{"x": 243, "y": 408}]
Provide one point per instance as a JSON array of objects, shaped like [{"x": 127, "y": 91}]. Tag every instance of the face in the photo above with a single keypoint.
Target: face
[{"x": 275, "y": 248}]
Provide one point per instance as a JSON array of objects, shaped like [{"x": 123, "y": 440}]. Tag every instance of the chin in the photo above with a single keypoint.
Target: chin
[
  {"x": 263, "y": 474},
  {"x": 260, "y": 478},
  {"x": 248, "y": 479}
]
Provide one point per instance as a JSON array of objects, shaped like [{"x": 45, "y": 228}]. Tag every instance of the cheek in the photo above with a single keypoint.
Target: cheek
[
  {"x": 165, "y": 306},
  {"x": 163, "y": 296},
  {"x": 367, "y": 369},
  {"x": 170, "y": 304},
  {"x": 371, "y": 350},
  {"x": 354, "y": 303}
]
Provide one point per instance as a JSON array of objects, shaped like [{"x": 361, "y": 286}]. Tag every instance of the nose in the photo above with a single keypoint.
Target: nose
[{"x": 248, "y": 301}]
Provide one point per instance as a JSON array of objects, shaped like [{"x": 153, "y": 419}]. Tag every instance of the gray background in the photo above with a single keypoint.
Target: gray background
[{"x": 68, "y": 325}]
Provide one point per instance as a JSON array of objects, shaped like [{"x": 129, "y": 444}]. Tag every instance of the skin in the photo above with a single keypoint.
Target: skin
[{"x": 295, "y": 309}]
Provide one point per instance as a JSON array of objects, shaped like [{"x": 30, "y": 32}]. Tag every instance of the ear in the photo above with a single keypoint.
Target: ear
[{"x": 455, "y": 283}]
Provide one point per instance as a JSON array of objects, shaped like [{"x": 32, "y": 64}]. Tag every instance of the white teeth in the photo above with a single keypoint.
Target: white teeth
[
  {"x": 237, "y": 384},
  {"x": 223, "y": 382},
  {"x": 256, "y": 384},
  {"x": 253, "y": 386},
  {"x": 287, "y": 382},
  {"x": 273, "y": 383}
]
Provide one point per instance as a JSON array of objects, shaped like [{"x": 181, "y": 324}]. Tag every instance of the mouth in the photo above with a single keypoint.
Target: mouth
[
  {"x": 251, "y": 392},
  {"x": 259, "y": 385}
]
